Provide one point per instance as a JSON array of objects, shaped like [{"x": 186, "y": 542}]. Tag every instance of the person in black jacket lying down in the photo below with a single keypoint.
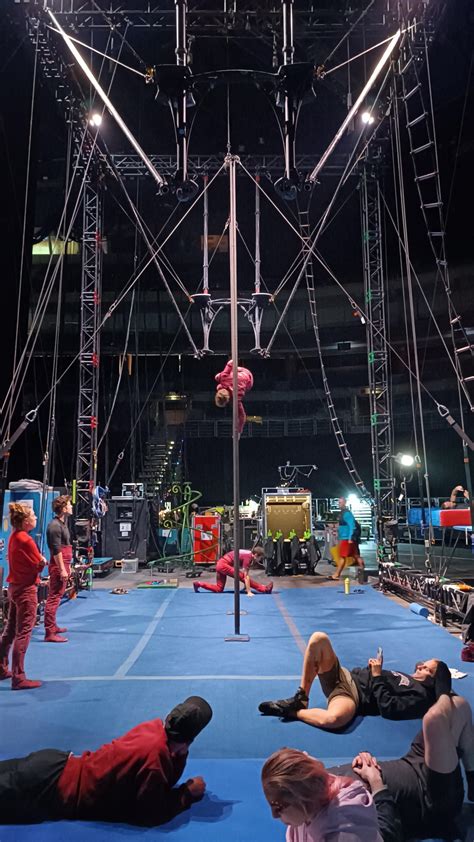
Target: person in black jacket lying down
[{"x": 363, "y": 691}]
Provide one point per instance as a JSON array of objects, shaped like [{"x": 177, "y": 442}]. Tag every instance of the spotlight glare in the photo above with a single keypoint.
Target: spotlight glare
[
  {"x": 95, "y": 119},
  {"x": 404, "y": 459},
  {"x": 367, "y": 118}
]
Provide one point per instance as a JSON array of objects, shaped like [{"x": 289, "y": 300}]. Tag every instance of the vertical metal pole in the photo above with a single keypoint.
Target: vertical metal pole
[
  {"x": 234, "y": 342},
  {"x": 257, "y": 233},
  {"x": 180, "y": 108},
  {"x": 205, "y": 245}
]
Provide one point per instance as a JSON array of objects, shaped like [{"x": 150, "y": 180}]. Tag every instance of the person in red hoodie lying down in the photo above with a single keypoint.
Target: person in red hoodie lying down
[
  {"x": 132, "y": 779},
  {"x": 224, "y": 389}
]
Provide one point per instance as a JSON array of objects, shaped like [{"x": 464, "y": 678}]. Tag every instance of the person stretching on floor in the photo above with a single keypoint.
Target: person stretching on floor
[
  {"x": 419, "y": 794},
  {"x": 59, "y": 543},
  {"x": 363, "y": 691},
  {"x": 225, "y": 385},
  {"x": 225, "y": 567},
  {"x": 24, "y": 564},
  {"x": 132, "y": 779},
  {"x": 348, "y": 546}
]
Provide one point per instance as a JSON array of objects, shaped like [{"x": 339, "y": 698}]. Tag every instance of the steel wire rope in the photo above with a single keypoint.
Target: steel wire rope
[
  {"x": 124, "y": 293},
  {"x": 401, "y": 268},
  {"x": 44, "y": 296},
  {"x": 99, "y": 52},
  {"x": 161, "y": 257},
  {"x": 145, "y": 403},
  {"x": 133, "y": 281},
  {"x": 25, "y": 214},
  {"x": 445, "y": 275},
  {"x": 425, "y": 299},
  {"x": 299, "y": 355},
  {"x": 115, "y": 30},
  {"x": 364, "y": 52},
  {"x": 349, "y": 31},
  {"x": 39, "y": 314},
  {"x": 48, "y": 452},
  {"x": 399, "y": 163},
  {"x": 466, "y": 97}
]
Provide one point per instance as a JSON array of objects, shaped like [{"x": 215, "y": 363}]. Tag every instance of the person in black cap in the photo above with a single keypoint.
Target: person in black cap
[{"x": 132, "y": 779}]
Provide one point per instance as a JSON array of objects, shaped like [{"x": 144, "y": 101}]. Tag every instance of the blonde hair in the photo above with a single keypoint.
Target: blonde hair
[
  {"x": 222, "y": 397},
  {"x": 60, "y": 503},
  {"x": 18, "y": 514},
  {"x": 293, "y": 777}
]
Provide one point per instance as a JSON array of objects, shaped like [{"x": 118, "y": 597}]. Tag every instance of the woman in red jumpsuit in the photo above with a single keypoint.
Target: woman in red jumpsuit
[
  {"x": 225, "y": 567},
  {"x": 224, "y": 388},
  {"x": 25, "y": 562}
]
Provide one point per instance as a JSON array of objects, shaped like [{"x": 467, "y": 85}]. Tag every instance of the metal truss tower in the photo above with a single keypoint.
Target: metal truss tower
[
  {"x": 88, "y": 408},
  {"x": 378, "y": 358}
]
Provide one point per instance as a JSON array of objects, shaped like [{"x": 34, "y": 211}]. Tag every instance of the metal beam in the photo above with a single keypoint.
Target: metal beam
[
  {"x": 375, "y": 294},
  {"x": 88, "y": 410}
]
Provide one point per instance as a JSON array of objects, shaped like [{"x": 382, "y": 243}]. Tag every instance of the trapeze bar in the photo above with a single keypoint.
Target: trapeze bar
[{"x": 253, "y": 308}]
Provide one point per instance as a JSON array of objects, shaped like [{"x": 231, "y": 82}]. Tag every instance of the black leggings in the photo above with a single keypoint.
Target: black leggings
[{"x": 28, "y": 787}]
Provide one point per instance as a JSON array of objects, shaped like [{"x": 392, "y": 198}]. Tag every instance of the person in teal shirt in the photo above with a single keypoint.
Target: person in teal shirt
[{"x": 348, "y": 544}]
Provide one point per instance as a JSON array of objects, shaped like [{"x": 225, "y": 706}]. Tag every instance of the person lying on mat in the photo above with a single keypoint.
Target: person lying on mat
[
  {"x": 419, "y": 794},
  {"x": 363, "y": 691},
  {"x": 132, "y": 779},
  {"x": 225, "y": 567}
]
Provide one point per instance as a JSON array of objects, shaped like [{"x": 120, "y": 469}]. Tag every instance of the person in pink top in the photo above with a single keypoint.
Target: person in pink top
[
  {"x": 225, "y": 386},
  {"x": 366, "y": 801},
  {"x": 225, "y": 567}
]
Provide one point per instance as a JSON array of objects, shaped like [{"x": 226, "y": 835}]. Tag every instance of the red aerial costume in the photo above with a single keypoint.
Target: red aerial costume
[
  {"x": 225, "y": 380},
  {"x": 25, "y": 562},
  {"x": 225, "y": 567}
]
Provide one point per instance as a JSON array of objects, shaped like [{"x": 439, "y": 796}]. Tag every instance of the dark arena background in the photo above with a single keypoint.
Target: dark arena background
[{"x": 287, "y": 185}]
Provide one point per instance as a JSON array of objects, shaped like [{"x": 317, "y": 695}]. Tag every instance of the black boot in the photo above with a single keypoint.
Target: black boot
[{"x": 286, "y": 708}]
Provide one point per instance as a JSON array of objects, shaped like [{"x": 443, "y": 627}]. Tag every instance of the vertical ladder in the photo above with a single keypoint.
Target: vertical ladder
[
  {"x": 424, "y": 154},
  {"x": 305, "y": 230}
]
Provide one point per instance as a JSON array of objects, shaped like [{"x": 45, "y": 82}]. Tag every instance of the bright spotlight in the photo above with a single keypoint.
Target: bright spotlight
[
  {"x": 367, "y": 118},
  {"x": 95, "y": 119},
  {"x": 404, "y": 459},
  {"x": 352, "y": 499}
]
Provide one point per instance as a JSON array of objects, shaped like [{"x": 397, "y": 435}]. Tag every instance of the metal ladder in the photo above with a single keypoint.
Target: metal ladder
[
  {"x": 305, "y": 230},
  {"x": 423, "y": 149}
]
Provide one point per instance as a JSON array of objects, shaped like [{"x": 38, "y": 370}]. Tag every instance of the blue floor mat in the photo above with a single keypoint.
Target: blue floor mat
[{"x": 132, "y": 657}]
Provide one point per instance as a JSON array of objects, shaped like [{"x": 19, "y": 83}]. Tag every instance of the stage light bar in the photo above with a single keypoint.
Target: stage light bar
[
  {"x": 375, "y": 73},
  {"x": 154, "y": 172}
]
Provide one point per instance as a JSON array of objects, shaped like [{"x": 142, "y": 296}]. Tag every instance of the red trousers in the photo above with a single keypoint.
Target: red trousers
[
  {"x": 223, "y": 570},
  {"x": 57, "y": 587},
  {"x": 22, "y": 606}
]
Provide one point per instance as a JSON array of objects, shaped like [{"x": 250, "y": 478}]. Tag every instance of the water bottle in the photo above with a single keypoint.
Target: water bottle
[{"x": 347, "y": 585}]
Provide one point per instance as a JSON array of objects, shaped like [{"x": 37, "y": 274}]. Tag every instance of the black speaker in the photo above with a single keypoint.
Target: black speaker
[{"x": 125, "y": 528}]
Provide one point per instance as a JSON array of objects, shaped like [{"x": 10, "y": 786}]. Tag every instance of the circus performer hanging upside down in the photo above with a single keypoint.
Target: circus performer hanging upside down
[{"x": 224, "y": 389}]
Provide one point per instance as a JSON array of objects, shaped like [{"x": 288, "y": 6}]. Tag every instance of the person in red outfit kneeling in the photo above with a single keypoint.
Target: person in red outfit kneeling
[
  {"x": 132, "y": 779},
  {"x": 59, "y": 543},
  {"x": 225, "y": 567},
  {"x": 225, "y": 384},
  {"x": 25, "y": 562}
]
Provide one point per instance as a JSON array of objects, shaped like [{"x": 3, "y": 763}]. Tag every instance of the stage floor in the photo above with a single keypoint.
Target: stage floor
[{"x": 133, "y": 657}]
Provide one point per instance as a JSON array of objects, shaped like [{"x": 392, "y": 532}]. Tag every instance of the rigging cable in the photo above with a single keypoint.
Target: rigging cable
[
  {"x": 23, "y": 236},
  {"x": 413, "y": 326},
  {"x": 125, "y": 292}
]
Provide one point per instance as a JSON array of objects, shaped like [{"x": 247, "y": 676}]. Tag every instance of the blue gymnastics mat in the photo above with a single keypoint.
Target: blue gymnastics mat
[{"x": 133, "y": 657}]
